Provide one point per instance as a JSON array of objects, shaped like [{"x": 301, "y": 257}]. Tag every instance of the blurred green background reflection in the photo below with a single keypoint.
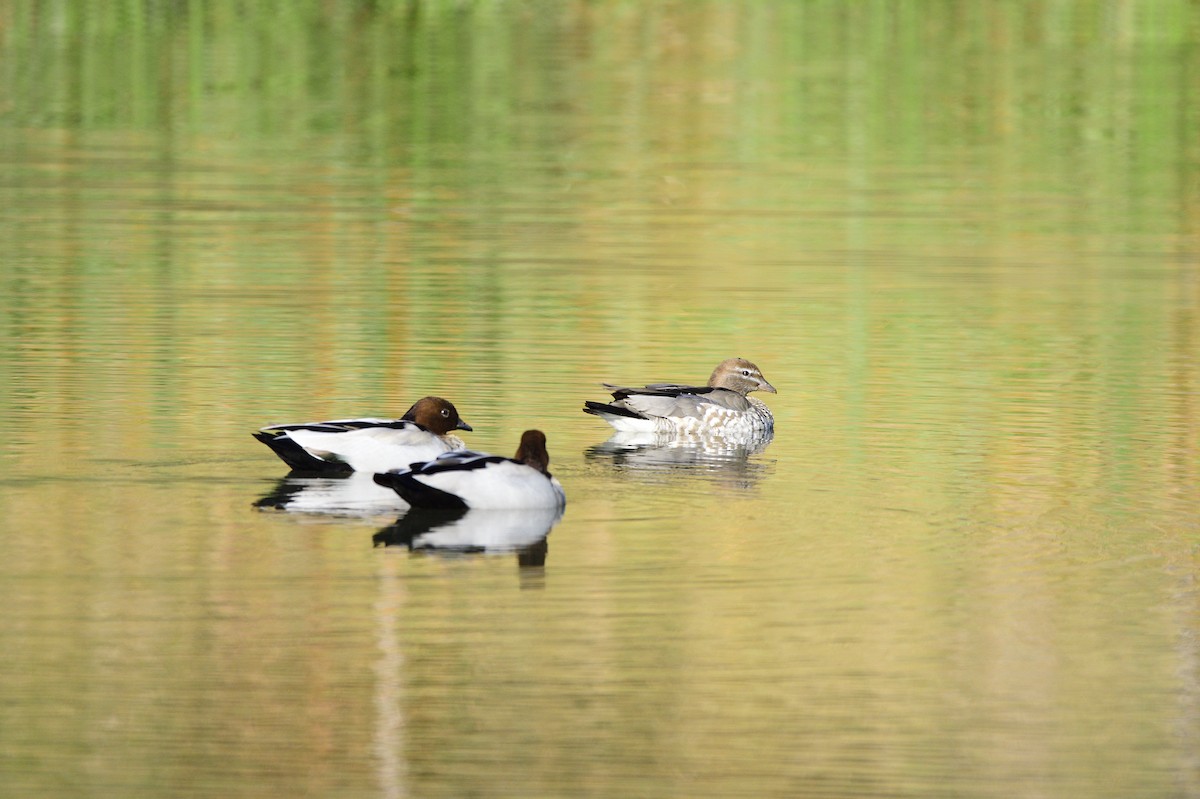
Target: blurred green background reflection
[{"x": 961, "y": 238}]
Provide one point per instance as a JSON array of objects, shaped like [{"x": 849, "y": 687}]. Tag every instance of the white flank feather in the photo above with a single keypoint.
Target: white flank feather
[{"x": 376, "y": 449}]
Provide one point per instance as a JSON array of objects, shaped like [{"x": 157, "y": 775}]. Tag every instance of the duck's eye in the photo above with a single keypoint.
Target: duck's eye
[
  {"x": 746, "y": 372},
  {"x": 446, "y": 412}
]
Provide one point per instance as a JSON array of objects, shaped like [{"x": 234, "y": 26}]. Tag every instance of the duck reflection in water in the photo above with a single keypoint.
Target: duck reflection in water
[
  {"x": 726, "y": 458},
  {"x": 353, "y": 494},
  {"x": 461, "y": 531}
]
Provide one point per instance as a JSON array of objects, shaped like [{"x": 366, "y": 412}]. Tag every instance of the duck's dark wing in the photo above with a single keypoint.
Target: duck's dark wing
[
  {"x": 340, "y": 425},
  {"x": 656, "y": 390}
]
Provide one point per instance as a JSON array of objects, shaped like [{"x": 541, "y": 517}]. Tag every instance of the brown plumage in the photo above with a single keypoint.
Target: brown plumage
[
  {"x": 532, "y": 451},
  {"x": 436, "y": 415},
  {"x": 738, "y": 374}
]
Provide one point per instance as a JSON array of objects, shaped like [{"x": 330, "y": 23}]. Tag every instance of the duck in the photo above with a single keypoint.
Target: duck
[
  {"x": 368, "y": 445},
  {"x": 721, "y": 407},
  {"x": 469, "y": 480}
]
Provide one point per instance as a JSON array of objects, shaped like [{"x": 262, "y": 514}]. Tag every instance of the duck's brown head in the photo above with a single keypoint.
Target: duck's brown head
[
  {"x": 738, "y": 374},
  {"x": 436, "y": 415},
  {"x": 532, "y": 451}
]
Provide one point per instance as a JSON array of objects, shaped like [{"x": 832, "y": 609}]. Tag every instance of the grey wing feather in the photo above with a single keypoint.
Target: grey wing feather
[{"x": 683, "y": 405}]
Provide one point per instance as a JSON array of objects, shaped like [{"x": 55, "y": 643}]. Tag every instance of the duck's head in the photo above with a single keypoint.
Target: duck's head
[
  {"x": 738, "y": 374},
  {"x": 532, "y": 451},
  {"x": 436, "y": 415}
]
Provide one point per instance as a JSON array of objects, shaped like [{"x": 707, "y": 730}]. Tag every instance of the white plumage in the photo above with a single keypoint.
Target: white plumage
[{"x": 375, "y": 448}]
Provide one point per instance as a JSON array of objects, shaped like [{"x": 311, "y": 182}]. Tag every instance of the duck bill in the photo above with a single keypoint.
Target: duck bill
[
  {"x": 464, "y": 426},
  {"x": 767, "y": 387}
]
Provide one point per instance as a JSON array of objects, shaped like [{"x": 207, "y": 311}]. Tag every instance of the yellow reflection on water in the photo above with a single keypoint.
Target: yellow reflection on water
[{"x": 960, "y": 240}]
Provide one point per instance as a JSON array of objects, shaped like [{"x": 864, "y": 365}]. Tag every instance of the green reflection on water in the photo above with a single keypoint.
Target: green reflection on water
[{"x": 960, "y": 237}]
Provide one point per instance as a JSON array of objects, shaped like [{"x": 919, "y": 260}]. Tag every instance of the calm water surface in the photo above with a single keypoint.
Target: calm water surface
[{"x": 962, "y": 242}]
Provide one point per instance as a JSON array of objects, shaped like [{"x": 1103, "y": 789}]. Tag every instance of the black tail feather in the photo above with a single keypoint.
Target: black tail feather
[
  {"x": 418, "y": 494},
  {"x": 298, "y": 458},
  {"x": 602, "y": 409}
]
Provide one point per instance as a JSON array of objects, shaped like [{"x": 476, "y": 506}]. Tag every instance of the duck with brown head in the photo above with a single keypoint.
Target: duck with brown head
[
  {"x": 457, "y": 480},
  {"x": 721, "y": 407},
  {"x": 370, "y": 445}
]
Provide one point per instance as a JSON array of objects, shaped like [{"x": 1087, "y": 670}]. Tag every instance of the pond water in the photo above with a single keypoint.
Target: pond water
[{"x": 962, "y": 240}]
